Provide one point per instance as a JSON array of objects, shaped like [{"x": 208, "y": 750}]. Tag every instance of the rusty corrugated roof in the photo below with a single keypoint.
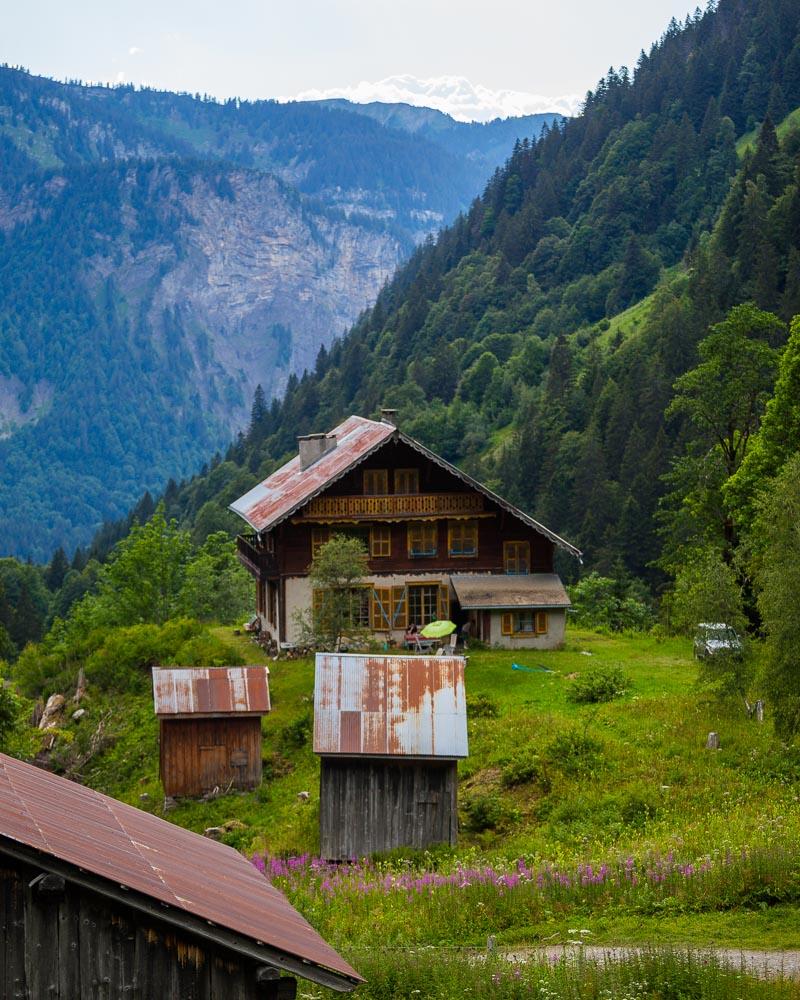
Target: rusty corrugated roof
[
  {"x": 291, "y": 486},
  {"x": 537, "y": 590},
  {"x": 166, "y": 863},
  {"x": 390, "y": 706},
  {"x": 200, "y": 691}
]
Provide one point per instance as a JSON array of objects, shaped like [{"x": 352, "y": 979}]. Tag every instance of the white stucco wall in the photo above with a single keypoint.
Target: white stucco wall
[{"x": 552, "y": 639}]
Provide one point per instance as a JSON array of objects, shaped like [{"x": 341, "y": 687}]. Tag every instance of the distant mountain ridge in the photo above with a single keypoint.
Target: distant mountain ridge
[{"x": 160, "y": 256}]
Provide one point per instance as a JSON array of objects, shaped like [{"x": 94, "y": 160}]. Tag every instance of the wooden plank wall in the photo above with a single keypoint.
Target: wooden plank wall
[
  {"x": 75, "y": 945},
  {"x": 369, "y": 805},
  {"x": 196, "y": 754}
]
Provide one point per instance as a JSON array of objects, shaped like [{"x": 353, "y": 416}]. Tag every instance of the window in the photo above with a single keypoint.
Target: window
[
  {"x": 422, "y": 539},
  {"x": 406, "y": 480},
  {"x": 462, "y": 538},
  {"x": 318, "y": 538},
  {"x": 325, "y": 604},
  {"x": 380, "y": 541},
  {"x": 423, "y": 604},
  {"x": 376, "y": 482},
  {"x": 523, "y": 623},
  {"x": 517, "y": 558}
]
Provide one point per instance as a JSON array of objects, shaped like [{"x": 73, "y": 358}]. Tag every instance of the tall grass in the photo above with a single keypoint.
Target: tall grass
[{"x": 430, "y": 975}]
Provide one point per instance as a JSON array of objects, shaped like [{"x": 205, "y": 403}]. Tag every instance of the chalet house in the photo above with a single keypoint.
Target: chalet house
[
  {"x": 99, "y": 899},
  {"x": 441, "y": 545},
  {"x": 389, "y": 731},
  {"x": 210, "y": 727}
]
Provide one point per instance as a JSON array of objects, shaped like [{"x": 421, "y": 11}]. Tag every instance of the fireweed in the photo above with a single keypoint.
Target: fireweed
[{"x": 464, "y": 903}]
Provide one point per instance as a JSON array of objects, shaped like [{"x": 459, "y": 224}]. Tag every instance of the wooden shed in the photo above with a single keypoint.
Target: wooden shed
[
  {"x": 389, "y": 731},
  {"x": 210, "y": 727},
  {"x": 101, "y": 900}
]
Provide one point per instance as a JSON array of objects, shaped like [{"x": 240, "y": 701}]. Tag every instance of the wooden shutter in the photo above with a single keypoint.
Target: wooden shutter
[
  {"x": 399, "y": 608},
  {"x": 380, "y": 541},
  {"x": 507, "y": 623},
  {"x": 444, "y": 601},
  {"x": 541, "y": 622},
  {"x": 381, "y": 608}
]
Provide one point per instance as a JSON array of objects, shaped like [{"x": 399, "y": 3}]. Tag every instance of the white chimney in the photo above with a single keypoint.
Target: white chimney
[
  {"x": 313, "y": 447},
  {"x": 389, "y": 417}
]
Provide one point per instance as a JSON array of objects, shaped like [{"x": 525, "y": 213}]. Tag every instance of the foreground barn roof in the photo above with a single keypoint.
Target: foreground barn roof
[
  {"x": 292, "y": 487},
  {"x": 483, "y": 592},
  {"x": 152, "y": 865},
  {"x": 390, "y": 706},
  {"x": 209, "y": 691}
]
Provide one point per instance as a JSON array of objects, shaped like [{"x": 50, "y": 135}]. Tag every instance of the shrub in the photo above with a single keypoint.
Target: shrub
[
  {"x": 484, "y": 812},
  {"x": 574, "y": 752},
  {"x": 482, "y": 706},
  {"x": 296, "y": 733},
  {"x": 525, "y": 768},
  {"x": 616, "y": 605},
  {"x": 598, "y": 685},
  {"x": 207, "y": 650}
]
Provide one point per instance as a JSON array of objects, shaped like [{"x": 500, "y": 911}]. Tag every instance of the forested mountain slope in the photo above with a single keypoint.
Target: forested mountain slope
[
  {"x": 505, "y": 344},
  {"x": 161, "y": 256}
]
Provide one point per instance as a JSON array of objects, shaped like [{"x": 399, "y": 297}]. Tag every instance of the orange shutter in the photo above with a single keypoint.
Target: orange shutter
[
  {"x": 399, "y": 608},
  {"x": 380, "y": 608},
  {"x": 541, "y": 622},
  {"x": 507, "y": 624},
  {"x": 444, "y": 601}
]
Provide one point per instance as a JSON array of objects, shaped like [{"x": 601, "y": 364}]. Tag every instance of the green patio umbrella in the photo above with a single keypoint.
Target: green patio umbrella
[{"x": 437, "y": 630}]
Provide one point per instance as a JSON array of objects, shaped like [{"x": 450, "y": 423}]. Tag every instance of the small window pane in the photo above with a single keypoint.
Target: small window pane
[
  {"x": 406, "y": 480},
  {"x": 376, "y": 482}
]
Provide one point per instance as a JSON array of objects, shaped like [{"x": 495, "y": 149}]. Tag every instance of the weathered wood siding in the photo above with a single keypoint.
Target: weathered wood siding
[
  {"x": 199, "y": 754},
  {"x": 77, "y": 945},
  {"x": 377, "y": 805}
]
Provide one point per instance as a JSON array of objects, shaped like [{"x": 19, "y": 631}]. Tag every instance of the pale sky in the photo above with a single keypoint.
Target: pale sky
[{"x": 477, "y": 59}]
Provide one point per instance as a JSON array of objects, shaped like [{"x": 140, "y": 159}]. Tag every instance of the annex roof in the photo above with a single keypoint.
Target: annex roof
[
  {"x": 291, "y": 487},
  {"x": 203, "y": 691},
  {"x": 390, "y": 706},
  {"x": 201, "y": 880},
  {"x": 483, "y": 592}
]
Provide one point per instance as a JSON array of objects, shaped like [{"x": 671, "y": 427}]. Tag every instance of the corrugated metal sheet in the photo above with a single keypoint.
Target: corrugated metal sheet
[
  {"x": 538, "y": 590},
  {"x": 141, "y": 852},
  {"x": 291, "y": 487},
  {"x": 390, "y": 706},
  {"x": 179, "y": 691}
]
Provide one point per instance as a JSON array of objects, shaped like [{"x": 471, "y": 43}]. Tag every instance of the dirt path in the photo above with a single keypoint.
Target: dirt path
[{"x": 757, "y": 963}]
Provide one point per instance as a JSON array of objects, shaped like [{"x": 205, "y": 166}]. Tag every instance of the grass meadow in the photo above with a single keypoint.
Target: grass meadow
[{"x": 611, "y": 819}]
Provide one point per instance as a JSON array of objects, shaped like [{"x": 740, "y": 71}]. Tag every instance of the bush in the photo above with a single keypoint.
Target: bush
[
  {"x": 574, "y": 752},
  {"x": 616, "y": 605},
  {"x": 526, "y": 768},
  {"x": 297, "y": 733},
  {"x": 207, "y": 650},
  {"x": 484, "y": 812},
  {"x": 482, "y": 706},
  {"x": 598, "y": 685}
]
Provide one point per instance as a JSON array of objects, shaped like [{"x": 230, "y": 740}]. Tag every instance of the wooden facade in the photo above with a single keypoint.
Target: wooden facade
[
  {"x": 371, "y": 804},
  {"x": 59, "y": 939},
  {"x": 421, "y": 520},
  {"x": 198, "y": 755}
]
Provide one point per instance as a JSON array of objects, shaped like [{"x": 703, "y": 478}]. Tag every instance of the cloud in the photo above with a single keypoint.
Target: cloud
[
  {"x": 134, "y": 50},
  {"x": 455, "y": 95},
  {"x": 120, "y": 77}
]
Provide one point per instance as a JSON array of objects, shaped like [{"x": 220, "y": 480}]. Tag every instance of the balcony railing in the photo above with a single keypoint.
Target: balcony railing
[
  {"x": 395, "y": 505},
  {"x": 253, "y": 557}
]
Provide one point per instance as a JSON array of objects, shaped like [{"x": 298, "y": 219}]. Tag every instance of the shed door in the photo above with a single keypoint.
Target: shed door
[{"x": 213, "y": 766}]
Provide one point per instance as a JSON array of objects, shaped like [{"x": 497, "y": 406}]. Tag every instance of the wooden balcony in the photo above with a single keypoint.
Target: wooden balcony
[
  {"x": 394, "y": 506},
  {"x": 254, "y": 558}
]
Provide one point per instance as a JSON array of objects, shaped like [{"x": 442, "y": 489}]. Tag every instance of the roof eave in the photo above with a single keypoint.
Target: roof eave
[{"x": 255, "y": 950}]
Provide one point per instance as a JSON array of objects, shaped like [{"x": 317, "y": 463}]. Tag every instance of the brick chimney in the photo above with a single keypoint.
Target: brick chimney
[{"x": 313, "y": 447}]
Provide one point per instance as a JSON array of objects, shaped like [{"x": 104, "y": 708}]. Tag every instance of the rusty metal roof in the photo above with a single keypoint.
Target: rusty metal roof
[
  {"x": 485, "y": 591},
  {"x": 390, "y": 706},
  {"x": 198, "y": 691},
  {"x": 192, "y": 875},
  {"x": 290, "y": 487}
]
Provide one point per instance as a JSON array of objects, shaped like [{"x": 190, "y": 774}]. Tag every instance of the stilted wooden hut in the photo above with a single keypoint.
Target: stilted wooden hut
[
  {"x": 98, "y": 899},
  {"x": 210, "y": 727},
  {"x": 389, "y": 731}
]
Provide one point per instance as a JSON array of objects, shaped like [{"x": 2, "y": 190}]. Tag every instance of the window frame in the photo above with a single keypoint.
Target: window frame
[
  {"x": 382, "y": 478},
  {"x": 380, "y": 541},
  {"x": 398, "y": 474},
  {"x": 432, "y": 528},
  {"x": 464, "y": 554},
  {"x": 517, "y": 547}
]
